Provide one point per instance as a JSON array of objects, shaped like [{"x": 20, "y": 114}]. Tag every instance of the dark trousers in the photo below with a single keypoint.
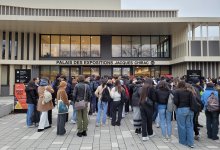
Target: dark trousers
[
  {"x": 109, "y": 112},
  {"x": 147, "y": 116},
  {"x": 212, "y": 122},
  {"x": 116, "y": 105},
  {"x": 155, "y": 113},
  {"x": 196, "y": 129},
  {"x": 61, "y": 120},
  {"x": 50, "y": 116},
  {"x": 127, "y": 103}
]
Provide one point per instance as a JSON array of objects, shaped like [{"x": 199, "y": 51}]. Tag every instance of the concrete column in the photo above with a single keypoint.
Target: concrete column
[
  {"x": 1, "y": 39},
  {"x": 11, "y": 80},
  {"x": 211, "y": 70},
  {"x": 19, "y": 46},
  {"x": 207, "y": 70},
  {"x": 6, "y": 44},
  {"x": 219, "y": 40},
  {"x": 218, "y": 74},
  {"x": 201, "y": 40},
  {"x": 188, "y": 52},
  {"x": 12, "y": 45},
  {"x": 203, "y": 68},
  {"x": 215, "y": 70},
  {"x": 25, "y": 46},
  {"x": 0, "y": 80},
  {"x": 24, "y": 67},
  {"x": 207, "y": 39},
  {"x": 37, "y": 46},
  {"x": 31, "y": 47}
]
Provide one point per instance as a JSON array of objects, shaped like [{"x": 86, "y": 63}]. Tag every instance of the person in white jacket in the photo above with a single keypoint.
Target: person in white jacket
[{"x": 117, "y": 104}]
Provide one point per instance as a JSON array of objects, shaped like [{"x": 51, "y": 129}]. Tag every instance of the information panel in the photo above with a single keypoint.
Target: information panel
[{"x": 22, "y": 75}]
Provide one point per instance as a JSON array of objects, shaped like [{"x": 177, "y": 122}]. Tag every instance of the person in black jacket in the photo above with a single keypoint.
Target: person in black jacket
[
  {"x": 162, "y": 94},
  {"x": 182, "y": 100},
  {"x": 32, "y": 96},
  {"x": 147, "y": 99}
]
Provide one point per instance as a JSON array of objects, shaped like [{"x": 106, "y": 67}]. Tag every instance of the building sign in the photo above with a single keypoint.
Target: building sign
[
  {"x": 22, "y": 75},
  {"x": 104, "y": 62},
  {"x": 20, "y": 97},
  {"x": 193, "y": 74}
]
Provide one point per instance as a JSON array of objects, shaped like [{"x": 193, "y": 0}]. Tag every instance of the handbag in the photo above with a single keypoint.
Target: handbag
[
  {"x": 62, "y": 107},
  {"x": 47, "y": 97},
  {"x": 81, "y": 104},
  {"x": 170, "y": 104},
  {"x": 149, "y": 102}
]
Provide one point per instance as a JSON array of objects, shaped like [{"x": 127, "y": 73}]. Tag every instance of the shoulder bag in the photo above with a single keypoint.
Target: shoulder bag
[
  {"x": 62, "y": 107},
  {"x": 81, "y": 104}
]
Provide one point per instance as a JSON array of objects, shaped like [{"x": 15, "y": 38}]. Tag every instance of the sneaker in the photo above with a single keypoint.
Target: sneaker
[
  {"x": 73, "y": 121},
  {"x": 97, "y": 125},
  {"x": 117, "y": 123},
  {"x": 215, "y": 138},
  {"x": 79, "y": 134},
  {"x": 84, "y": 133},
  {"x": 196, "y": 137},
  {"x": 136, "y": 131},
  {"x": 31, "y": 126},
  {"x": 145, "y": 138},
  {"x": 157, "y": 125},
  {"x": 39, "y": 130},
  {"x": 165, "y": 140},
  {"x": 94, "y": 114},
  {"x": 152, "y": 135},
  {"x": 48, "y": 127},
  {"x": 191, "y": 146}
]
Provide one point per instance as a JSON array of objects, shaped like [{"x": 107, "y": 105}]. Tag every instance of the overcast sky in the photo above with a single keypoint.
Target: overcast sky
[{"x": 187, "y": 8}]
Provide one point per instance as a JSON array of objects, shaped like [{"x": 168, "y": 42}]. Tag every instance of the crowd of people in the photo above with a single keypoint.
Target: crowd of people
[{"x": 151, "y": 100}]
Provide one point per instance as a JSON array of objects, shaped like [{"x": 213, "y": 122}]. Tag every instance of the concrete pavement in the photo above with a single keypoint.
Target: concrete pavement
[{"x": 15, "y": 135}]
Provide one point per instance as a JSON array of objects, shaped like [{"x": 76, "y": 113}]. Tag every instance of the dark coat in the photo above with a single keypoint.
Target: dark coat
[
  {"x": 162, "y": 96},
  {"x": 31, "y": 94},
  {"x": 182, "y": 98},
  {"x": 79, "y": 92}
]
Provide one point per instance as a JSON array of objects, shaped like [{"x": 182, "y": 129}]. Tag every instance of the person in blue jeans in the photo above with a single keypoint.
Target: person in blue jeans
[
  {"x": 212, "y": 117},
  {"x": 74, "y": 118},
  {"x": 32, "y": 96},
  {"x": 182, "y": 99},
  {"x": 162, "y": 95},
  {"x": 102, "y": 104}
]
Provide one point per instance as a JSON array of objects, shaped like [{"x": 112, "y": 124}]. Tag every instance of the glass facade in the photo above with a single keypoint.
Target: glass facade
[
  {"x": 70, "y": 46},
  {"x": 141, "y": 46}
]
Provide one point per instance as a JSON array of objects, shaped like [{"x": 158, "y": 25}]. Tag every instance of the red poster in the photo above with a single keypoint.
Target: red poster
[{"x": 20, "y": 96}]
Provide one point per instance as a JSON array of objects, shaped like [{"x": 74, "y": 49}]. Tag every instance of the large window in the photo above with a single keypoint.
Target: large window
[
  {"x": 70, "y": 46},
  {"x": 121, "y": 71},
  {"x": 140, "y": 46},
  {"x": 90, "y": 71}
]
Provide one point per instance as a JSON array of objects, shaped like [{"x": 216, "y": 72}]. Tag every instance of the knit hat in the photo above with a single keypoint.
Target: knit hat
[{"x": 63, "y": 84}]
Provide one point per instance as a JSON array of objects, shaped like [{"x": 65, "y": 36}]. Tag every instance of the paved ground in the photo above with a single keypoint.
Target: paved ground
[{"x": 15, "y": 135}]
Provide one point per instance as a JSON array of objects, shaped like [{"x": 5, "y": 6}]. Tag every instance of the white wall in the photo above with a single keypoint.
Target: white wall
[{"x": 66, "y": 4}]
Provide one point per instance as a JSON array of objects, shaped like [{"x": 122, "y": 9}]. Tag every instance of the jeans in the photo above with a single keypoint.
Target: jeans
[
  {"x": 212, "y": 123},
  {"x": 165, "y": 120},
  {"x": 74, "y": 113},
  {"x": 93, "y": 103},
  {"x": 147, "y": 119},
  {"x": 185, "y": 125},
  {"x": 102, "y": 106},
  {"x": 29, "y": 113}
]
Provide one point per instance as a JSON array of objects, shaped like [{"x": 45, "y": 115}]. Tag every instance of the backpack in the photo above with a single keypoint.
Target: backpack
[
  {"x": 106, "y": 95},
  {"x": 212, "y": 103},
  {"x": 47, "y": 96}
]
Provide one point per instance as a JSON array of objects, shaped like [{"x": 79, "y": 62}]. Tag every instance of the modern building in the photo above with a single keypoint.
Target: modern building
[{"x": 75, "y": 37}]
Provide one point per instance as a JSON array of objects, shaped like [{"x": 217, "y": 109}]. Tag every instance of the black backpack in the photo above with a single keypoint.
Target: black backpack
[{"x": 106, "y": 95}]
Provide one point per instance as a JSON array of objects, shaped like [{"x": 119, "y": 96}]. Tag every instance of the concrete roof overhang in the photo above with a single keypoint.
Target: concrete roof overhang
[{"x": 99, "y": 26}]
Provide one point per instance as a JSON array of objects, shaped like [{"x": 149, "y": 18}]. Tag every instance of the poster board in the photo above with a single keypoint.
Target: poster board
[
  {"x": 193, "y": 74},
  {"x": 20, "y": 104}
]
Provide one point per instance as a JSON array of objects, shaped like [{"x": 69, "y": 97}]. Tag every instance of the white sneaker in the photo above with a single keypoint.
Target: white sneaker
[
  {"x": 157, "y": 125},
  {"x": 145, "y": 138},
  {"x": 165, "y": 140},
  {"x": 97, "y": 124},
  {"x": 73, "y": 121},
  {"x": 150, "y": 136}
]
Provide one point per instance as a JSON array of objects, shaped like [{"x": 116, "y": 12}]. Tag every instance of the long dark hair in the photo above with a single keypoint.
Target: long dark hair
[
  {"x": 163, "y": 85},
  {"x": 148, "y": 83},
  {"x": 118, "y": 86}
]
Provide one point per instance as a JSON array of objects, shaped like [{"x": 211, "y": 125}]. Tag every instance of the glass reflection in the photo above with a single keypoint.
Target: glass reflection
[
  {"x": 154, "y": 46},
  {"x": 116, "y": 71},
  {"x": 146, "y": 52},
  {"x": 45, "y": 46},
  {"x": 65, "y": 46},
  {"x": 126, "y": 46},
  {"x": 85, "y": 46},
  {"x": 75, "y": 46},
  {"x": 116, "y": 46},
  {"x": 126, "y": 71},
  {"x": 55, "y": 42},
  {"x": 95, "y": 46},
  {"x": 136, "y": 46}
]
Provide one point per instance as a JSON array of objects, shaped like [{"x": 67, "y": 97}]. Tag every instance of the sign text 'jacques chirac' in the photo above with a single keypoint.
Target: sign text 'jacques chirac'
[{"x": 101, "y": 62}]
